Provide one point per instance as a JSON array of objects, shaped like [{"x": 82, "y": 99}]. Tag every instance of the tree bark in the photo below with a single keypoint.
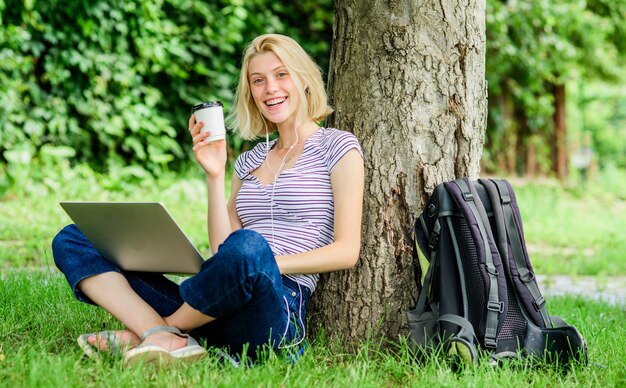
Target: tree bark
[
  {"x": 510, "y": 135},
  {"x": 560, "y": 132},
  {"x": 407, "y": 78},
  {"x": 521, "y": 145},
  {"x": 531, "y": 156}
]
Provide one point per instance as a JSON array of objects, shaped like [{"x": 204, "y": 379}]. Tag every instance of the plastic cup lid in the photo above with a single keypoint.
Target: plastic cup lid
[{"x": 203, "y": 105}]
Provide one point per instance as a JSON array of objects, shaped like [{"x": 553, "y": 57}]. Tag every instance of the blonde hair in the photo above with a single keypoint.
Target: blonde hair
[{"x": 303, "y": 70}]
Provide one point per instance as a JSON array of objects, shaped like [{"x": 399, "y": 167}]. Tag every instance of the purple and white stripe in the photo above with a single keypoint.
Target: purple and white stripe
[{"x": 303, "y": 207}]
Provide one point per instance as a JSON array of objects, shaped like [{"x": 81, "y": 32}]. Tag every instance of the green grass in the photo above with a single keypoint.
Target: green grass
[
  {"x": 569, "y": 231},
  {"x": 575, "y": 231},
  {"x": 39, "y": 325}
]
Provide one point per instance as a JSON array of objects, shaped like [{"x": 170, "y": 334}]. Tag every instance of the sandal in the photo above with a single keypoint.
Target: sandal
[
  {"x": 149, "y": 353},
  {"x": 114, "y": 346}
]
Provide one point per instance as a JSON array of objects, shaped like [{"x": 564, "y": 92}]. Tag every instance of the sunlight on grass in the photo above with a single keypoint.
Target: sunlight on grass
[
  {"x": 40, "y": 325},
  {"x": 576, "y": 230}
]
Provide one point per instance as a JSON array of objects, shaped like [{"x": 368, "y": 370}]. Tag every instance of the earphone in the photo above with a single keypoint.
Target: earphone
[
  {"x": 275, "y": 175},
  {"x": 289, "y": 319}
]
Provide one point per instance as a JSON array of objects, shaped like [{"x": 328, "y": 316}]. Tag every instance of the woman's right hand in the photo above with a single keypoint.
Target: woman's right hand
[{"x": 211, "y": 156}]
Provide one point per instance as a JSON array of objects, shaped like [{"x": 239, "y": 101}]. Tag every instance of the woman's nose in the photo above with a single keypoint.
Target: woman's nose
[{"x": 271, "y": 86}]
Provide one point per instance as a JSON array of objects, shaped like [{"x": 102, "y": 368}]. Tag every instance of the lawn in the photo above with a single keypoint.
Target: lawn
[
  {"x": 39, "y": 322},
  {"x": 577, "y": 231}
]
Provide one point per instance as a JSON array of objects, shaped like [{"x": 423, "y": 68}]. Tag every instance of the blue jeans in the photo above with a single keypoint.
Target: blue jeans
[{"x": 240, "y": 285}]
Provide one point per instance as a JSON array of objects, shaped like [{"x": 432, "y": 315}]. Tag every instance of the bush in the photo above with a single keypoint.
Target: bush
[{"x": 115, "y": 80}]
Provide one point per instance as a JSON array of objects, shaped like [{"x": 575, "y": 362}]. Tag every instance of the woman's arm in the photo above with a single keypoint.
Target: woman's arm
[
  {"x": 235, "y": 222},
  {"x": 222, "y": 219},
  {"x": 347, "y": 180}
]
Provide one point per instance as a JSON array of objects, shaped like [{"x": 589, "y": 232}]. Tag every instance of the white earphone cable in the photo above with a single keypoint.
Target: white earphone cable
[
  {"x": 289, "y": 320},
  {"x": 275, "y": 175}
]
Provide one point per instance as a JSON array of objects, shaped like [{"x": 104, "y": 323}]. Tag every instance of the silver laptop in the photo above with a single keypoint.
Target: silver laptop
[{"x": 137, "y": 236}]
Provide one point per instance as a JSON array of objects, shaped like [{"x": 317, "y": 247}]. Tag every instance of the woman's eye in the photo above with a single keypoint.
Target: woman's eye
[
  {"x": 282, "y": 74},
  {"x": 257, "y": 81}
]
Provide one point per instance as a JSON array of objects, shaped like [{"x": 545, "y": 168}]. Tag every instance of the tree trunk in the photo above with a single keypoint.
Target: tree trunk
[
  {"x": 560, "y": 131},
  {"x": 521, "y": 145},
  {"x": 510, "y": 136},
  {"x": 531, "y": 157},
  {"x": 407, "y": 78}
]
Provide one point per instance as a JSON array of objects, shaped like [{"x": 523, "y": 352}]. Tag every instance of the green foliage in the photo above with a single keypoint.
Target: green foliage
[
  {"x": 533, "y": 46},
  {"x": 115, "y": 80},
  {"x": 598, "y": 119}
]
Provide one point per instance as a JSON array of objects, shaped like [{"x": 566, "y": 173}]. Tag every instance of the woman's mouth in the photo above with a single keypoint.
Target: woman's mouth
[{"x": 275, "y": 101}]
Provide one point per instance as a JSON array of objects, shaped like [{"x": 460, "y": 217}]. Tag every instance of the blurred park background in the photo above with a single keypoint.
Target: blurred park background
[
  {"x": 95, "y": 98},
  {"x": 110, "y": 83}
]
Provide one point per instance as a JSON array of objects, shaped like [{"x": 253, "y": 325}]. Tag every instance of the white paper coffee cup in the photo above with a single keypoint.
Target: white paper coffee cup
[{"x": 212, "y": 114}]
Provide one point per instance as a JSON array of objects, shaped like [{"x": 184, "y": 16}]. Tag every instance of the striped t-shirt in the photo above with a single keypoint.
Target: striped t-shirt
[{"x": 303, "y": 208}]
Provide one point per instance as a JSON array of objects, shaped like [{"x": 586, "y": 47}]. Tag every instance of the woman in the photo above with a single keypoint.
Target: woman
[{"x": 294, "y": 211}]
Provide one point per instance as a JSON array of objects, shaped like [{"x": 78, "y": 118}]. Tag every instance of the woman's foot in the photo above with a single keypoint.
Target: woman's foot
[
  {"x": 114, "y": 342},
  {"x": 166, "y": 340},
  {"x": 124, "y": 338},
  {"x": 163, "y": 345}
]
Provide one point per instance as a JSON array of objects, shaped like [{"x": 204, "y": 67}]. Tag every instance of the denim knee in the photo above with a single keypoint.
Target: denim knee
[
  {"x": 77, "y": 258},
  {"x": 59, "y": 240},
  {"x": 242, "y": 267},
  {"x": 247, "y": 246},
  {"x": 60, "y": 244},
  {"x": 243, "y": 248}
]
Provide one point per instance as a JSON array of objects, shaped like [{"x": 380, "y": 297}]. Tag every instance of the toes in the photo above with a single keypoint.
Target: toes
[
  {"x": 103, "y": 344},
  {"x": 97, "y": 342},
  {"x": 92, "y": 339}
]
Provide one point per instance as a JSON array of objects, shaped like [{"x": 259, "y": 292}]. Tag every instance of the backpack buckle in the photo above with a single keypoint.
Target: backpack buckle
[
  {"x": 491, "y": 343},
  {"x": 492, "y": 270},
  {"x": 495, "y": 306},
  {"x": 434, "y": 236},
  {"x": 468, "y": 196},
  {"x": 539, "y": 303},
  {"x": 527, "y": 277},
  {"x": 434, "y": 241}
]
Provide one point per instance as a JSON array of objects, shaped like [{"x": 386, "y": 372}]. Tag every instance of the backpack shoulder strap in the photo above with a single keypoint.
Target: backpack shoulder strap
[
  {"x": 426, "y": 234},
  {"x": 494, "y": 305},
  {"x": 502, "y": 199},
  {"x": 420, "y": 306}
]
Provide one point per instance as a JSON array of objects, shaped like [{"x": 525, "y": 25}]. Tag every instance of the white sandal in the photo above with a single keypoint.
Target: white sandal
[{"x": 153, "y": 354}]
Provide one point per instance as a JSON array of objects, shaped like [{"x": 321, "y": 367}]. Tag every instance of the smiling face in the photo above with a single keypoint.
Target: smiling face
[
  {"x": 280, "y": 86},
  {"x": 273, "y": 89}
]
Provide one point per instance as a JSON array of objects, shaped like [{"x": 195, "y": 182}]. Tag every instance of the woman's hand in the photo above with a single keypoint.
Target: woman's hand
[{"x": 211, "y": 156}]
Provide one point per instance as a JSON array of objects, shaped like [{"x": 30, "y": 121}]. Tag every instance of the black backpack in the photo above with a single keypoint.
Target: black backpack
[{"x": 477, "y": 289}]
